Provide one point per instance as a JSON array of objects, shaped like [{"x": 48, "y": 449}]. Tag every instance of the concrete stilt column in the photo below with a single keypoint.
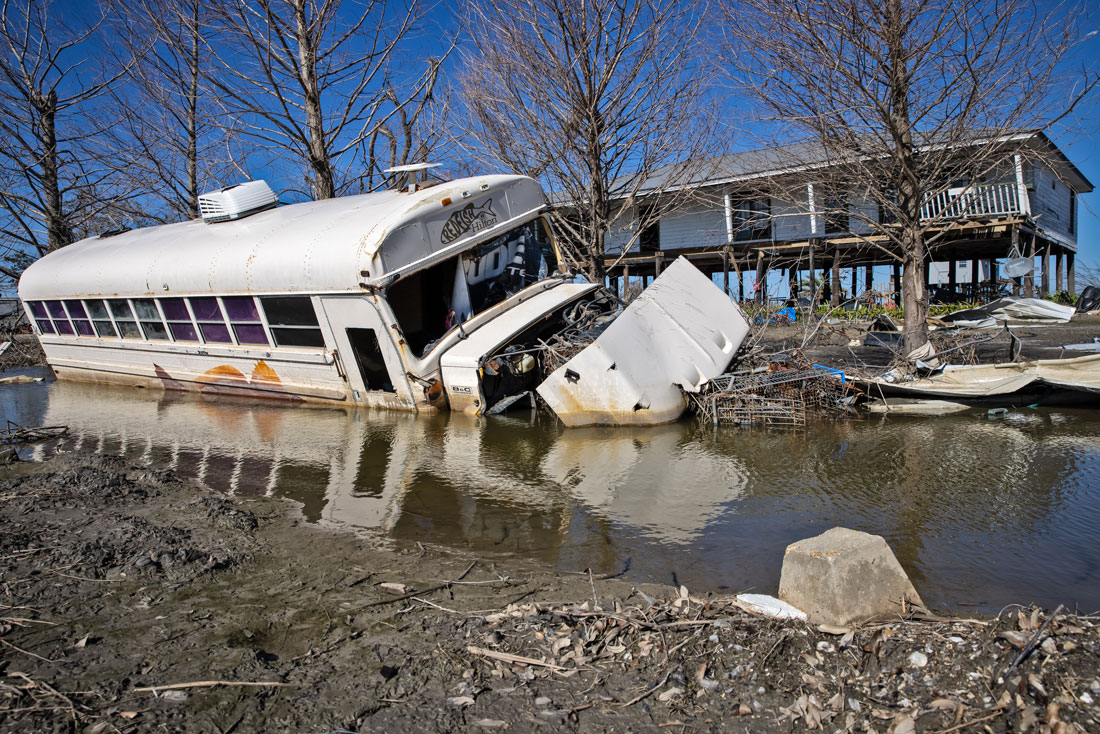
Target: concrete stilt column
[
  {"x": 895, "y": 285},
  {"x": 869, "y": 278},
  {"x": 1071, "y": 274},
  {"x": 1059, "y": 271}
]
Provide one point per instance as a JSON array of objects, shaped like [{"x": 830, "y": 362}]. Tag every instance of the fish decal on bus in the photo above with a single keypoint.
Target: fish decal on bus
[{"x": 468, "y": 219}]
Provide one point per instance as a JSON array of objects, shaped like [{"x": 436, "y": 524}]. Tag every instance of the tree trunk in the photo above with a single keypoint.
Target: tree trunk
[
  {"x": 193, "y": 118},
  {"x": 57, "y": 228},
  {"x": 324, "y": 186},
  {"x": 907, "y": 181}
]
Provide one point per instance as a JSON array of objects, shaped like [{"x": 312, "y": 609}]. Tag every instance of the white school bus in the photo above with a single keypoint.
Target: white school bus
[{"x": 393, "y": 299}]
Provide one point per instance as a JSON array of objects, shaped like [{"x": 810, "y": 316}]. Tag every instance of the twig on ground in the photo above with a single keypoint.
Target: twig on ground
[
  {"x": 212, "y": 684},
  {"x": 429, "y": 590},
  {"x": 647, "y": 692},
  {"x": 506, "y": 657}
]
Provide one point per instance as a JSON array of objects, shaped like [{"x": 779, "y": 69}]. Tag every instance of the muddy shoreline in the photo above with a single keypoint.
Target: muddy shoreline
[{"x": 121, "y": 584}]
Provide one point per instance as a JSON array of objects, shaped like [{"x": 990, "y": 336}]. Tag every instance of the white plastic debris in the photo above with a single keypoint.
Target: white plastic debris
[{"x": 769, "y": 606}]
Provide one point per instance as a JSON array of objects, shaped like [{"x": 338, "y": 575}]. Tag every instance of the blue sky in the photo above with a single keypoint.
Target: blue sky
[{"x": 1079, "y": 140}]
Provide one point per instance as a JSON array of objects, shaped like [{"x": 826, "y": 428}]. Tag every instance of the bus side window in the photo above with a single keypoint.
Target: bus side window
[
  {"x": 60, "y": 318},
  {"x": 212, "y": 326},
  {"x": 97, "y": 309},
  {"x": 245, "y": 319},
  {"x": 124, "y": 318},
  {"x": 368, "y": 355},
  {"x": 79, "y": 317},
  {"x": 150, "y": 320},
  {"x": 179, "y": 319},
  {"x": 293, "y": 321}
]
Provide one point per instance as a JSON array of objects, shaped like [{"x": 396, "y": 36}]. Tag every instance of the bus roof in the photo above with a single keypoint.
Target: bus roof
[{"x": 324, "y": 246}]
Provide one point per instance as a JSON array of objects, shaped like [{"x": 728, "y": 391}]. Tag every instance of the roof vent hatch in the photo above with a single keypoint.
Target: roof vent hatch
[{"x": 237, "y": 202}]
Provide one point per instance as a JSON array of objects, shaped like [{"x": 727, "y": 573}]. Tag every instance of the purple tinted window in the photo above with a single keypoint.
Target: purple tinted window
[
  {"x": 206, "y": 309},
  {"x": 250, "y": 333},
  {"x": 45, "y": 327},
  {"x": 56, "y": 309},
  {"x": 84, "y": 328},
  {"x": 183, "y": 332},
  {"x": 215, "y": 333},
  {"x": 38, "y": 309},
  {"x": 175, "y": 309},
  {"x": 241, "y": 308},
  {"x": 76, "y": 309},
  {"x": 63, "y": 327}
]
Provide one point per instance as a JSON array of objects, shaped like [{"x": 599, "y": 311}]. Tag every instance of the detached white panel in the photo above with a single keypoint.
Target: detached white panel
[{"x": 679, "y": 333}]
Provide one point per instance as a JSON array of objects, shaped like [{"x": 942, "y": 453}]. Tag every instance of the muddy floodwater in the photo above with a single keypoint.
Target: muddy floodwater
[{"x": 982, "y": 511}]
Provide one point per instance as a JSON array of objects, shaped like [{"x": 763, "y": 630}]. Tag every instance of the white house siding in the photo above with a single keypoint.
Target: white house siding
[
  {"x": 790, "y": 222},
  {"x": 694, "y": 226},
  {"x": 863, "y": 211},
  {"x": 618, "y": 237},
  {"x": 1050, "y": 201}
]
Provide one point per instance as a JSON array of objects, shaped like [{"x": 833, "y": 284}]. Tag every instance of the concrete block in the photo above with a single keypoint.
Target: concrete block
[{"x": 844, "y": 576}]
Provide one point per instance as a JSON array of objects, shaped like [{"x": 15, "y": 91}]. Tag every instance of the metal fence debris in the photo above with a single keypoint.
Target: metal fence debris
[{"x": 781, "y": 398}]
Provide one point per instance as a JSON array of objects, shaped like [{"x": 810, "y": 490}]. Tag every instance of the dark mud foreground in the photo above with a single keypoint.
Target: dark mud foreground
[{"x": 119, "y": 584}]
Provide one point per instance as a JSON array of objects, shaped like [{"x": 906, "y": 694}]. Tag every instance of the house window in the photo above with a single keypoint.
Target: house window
[
  {"x": 293, "y": 321},
  {"x": 650, "y": 238},
  {"x": 124, "y": 318},
  {"x": 836, "y": 214},
  {"x": 101, "y": 320},
  {"x": 752, "y": 220},
  {"x": 212, "y": 326},
  {"x": 1073, "y": 212},
  {"x": 179, "y": 319},
  {"x": 245, "y": 319}
]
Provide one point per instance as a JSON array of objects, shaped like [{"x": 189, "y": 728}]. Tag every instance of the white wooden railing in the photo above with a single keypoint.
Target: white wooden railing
[{"x": 976, "y": 201}]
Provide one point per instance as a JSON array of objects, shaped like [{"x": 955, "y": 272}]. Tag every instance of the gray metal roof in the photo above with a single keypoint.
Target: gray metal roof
[{"x": 778, "y": 160}]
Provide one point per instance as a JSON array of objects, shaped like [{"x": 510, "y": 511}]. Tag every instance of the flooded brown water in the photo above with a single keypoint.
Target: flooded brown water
[{"x": 981, "y": 511}]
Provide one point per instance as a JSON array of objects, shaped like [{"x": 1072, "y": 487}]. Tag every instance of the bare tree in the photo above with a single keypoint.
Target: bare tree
[
  {"x": 47, "y": 90},
  {"x": 897, "y": 98},
  {"x": 171, "y": 143},
  {"x": 604, "y": 101},
  {"x": 321, "y": 80}
]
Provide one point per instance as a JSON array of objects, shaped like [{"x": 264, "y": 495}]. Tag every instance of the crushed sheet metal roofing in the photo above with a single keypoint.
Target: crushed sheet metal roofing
[{"x": 316, "y": 246}]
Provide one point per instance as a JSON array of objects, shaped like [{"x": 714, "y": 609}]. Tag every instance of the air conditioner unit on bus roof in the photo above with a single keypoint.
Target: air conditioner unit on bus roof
[{"x": 235, "y": 202}]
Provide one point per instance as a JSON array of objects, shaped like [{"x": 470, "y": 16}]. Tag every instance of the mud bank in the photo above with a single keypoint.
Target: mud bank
[{"x": 133, "y": 601}]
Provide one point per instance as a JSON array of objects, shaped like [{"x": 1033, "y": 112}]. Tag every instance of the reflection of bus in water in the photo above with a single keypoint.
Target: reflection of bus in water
[
  {"x": 357, "y": 300},
  {"x": 441, "y": 478}
]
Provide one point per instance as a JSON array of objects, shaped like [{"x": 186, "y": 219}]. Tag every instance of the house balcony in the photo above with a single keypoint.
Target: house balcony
[{"x": 990, "y": 200}]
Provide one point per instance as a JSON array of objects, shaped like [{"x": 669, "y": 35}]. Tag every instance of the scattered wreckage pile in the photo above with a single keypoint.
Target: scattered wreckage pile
[{"x": 709, "y": 657}]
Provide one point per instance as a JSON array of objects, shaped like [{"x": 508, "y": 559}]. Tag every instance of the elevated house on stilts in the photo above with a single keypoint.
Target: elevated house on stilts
[{"x": 782, "y": 209}]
